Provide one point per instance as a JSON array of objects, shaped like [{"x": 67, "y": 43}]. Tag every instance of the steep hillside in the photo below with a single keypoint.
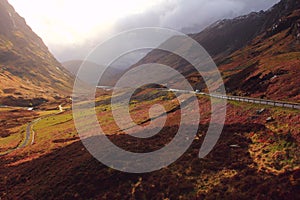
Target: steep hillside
[
  {"x": 269, "y": 67},
  {"x": 258, "y": 54},
  {"x": 228, "y": 35},
  {"x": 29, "y": 73}
]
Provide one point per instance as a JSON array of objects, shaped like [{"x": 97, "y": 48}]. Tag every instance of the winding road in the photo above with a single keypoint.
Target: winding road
[
  {"x": 231, "y": 98},
  {"x": 28, "y": 133},
  {"x": 26, "y": 140}
]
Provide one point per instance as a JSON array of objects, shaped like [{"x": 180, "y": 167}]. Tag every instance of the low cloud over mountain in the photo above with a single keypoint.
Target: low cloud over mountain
[{"x": 71, "y": 41}]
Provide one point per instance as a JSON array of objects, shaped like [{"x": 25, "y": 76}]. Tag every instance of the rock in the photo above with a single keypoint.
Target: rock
[
  {"x": 260, "y": 111},
  {"x": 270, "y": 119}
]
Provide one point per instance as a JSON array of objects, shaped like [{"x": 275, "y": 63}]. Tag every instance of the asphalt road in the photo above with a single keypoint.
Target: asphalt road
[
  {"x": 245, "y": 99},
  {"x": 231, "y": 98},
  {"x": 256, "y": 101},
  {"x": 28, "y": 134}
]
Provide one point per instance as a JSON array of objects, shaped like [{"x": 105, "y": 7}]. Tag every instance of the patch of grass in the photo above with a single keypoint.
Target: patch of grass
[
  {"x": 45, "y": 113},
  {"x": 53, "y": 120},
  {"x": 13, "y": 140},
  {"x": 276, "y": 153}
]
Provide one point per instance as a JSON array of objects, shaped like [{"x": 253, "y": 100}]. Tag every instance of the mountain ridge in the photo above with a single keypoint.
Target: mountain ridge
[
  {"x": 240, "y": 44},
  {"x": 30, "y": 75}
]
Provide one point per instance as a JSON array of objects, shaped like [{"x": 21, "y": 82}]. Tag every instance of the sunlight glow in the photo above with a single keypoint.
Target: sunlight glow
[{"x": 74, "y": 22}]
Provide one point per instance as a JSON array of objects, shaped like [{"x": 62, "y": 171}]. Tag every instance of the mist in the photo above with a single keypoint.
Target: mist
[
  {"x": 73, "y": 30},
  {"x": 187, "y": 16}
]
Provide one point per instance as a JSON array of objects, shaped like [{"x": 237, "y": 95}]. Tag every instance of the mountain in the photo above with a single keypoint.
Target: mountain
[
  {"x": 268, "y": 66},
  {"x": 257, "y": 54},
  {"x": 30, "y": 75},
  {"x": 110, "y": 76},
  {"x": 256, "y": 156},
  {"x": 226, "y": 36}
]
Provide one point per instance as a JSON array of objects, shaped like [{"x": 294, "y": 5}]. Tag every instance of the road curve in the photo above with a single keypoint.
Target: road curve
[
  {"x": 26, "y": 140},
  {"x": 29, "y": 127},
  {"x": 28, "y": 133}
]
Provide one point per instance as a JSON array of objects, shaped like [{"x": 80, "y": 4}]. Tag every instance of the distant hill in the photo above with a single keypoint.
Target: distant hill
[
  {"x": 257, "y": 54},
  {"x": 110, "y": 76},
  {"x": 29, "y": 74}
]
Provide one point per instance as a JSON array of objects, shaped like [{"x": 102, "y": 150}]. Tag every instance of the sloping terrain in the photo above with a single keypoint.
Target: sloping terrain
[
  {"x": 226, "y": 36},
  {"x": 254, "y": 159},
  {"x": 29, "y": 74},
  {"x": 12, "y": 123},
  {"x": 270, "y": 65},
  {"x": 257, "y": 54}
]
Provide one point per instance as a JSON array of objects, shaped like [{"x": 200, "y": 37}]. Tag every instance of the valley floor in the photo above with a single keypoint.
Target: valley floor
[{"x": 255, "y": 158}]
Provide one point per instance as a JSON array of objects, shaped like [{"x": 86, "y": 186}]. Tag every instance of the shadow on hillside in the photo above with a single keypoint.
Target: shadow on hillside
[{"x": 72, "y": 173}]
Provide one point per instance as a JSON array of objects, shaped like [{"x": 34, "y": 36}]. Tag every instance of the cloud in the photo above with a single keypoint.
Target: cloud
[
  {"x": 71, "y": 29},
  {"x": 179, "y": 14}
]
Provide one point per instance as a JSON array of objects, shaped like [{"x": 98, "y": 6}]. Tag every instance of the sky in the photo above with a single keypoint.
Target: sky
[{"x": 71, "y": 29}]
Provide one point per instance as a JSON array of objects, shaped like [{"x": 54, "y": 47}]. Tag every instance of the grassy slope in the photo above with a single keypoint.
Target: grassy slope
[
  {"x": 266, "y": 164},
  {"x": 268, "y": 67},
  {"x": 29, "y": 74},
  {"x": 262, "y": 60},
  {"x": 14, "y": 122}
]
